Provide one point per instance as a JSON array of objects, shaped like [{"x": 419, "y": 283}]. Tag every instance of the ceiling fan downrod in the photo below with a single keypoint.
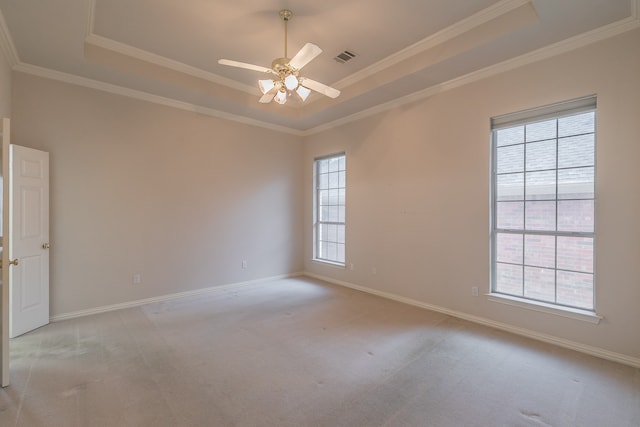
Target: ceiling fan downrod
[{"x": 286, "y": 15}]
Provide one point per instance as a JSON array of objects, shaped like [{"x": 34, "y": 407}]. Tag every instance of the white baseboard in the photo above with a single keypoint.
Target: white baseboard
[
  {"x": 561, "y": 342},
  {"x": 168, "y": 297}
]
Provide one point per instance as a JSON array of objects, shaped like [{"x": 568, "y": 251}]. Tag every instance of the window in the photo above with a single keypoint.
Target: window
[
  {"x": 329, "y": 216},
  {"x": 543, "y": 204}
]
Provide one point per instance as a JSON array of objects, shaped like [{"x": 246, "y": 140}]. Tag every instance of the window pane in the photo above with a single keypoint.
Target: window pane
[
  {"x": 576, "y": 151},
  {"x": 510, "y": 159},
  {"x": 324, "y": 197},
  {"x": 510, "y": 187},
  {"x": 333, "y": 197},
  {"x": 332, "y": 233},
  {"x": 334, "y": 164},
  {"x": 323, "y": 165},
  {"x": 541, "y": 130},
  {"x": 510, "y": 215},
  {"x": 323, "y": 181},
  {"x": 334, "y": 180},
  {"x": 340, "y": 233},
  {"x": 575, "y": 253},
  {"x": 575, "y": 289},
  {"x": 324, "y": 213},
  {"x": 509, "y": 248},
  {"x": 576, "y": 125},
  {"x": 510, "y": 136},
  {"x": 540, "y": 216},
  {"x": 539, "y": 283},
  {"x": 322, "y": 249},
  {"x": 576, "y": 215},
  {"x": 509, "y": 279},
  {"x": 341, "y": 179},
  {"x": 540, "y": 251},
  {"x": 333, "y": 214},
  {"x": 544, "y": 244},
  {"x": 541, "y": 185},
  {"x": 322, "y": 231},
  {"x": 541, "y": 155},
  {"x": 330, "y": 195},
  {"x": 576, "y": 183},
  {"x": 332, "y": 250}
]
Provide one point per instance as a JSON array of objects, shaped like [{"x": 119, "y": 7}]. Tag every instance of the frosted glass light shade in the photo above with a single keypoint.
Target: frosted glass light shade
[
  {"x": 291, "y": 82},
  {"x": 303, "y": 92},
  {"x": 281, "y": 97},
  {"x": 265, "y": 85}
]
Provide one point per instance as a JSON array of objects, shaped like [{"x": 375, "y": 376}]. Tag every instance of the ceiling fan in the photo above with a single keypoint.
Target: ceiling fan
[{"x": 287, "y": 80}]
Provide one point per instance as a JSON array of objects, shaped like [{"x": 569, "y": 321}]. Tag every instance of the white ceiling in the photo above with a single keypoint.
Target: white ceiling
[{"x": 166, "y": 51}]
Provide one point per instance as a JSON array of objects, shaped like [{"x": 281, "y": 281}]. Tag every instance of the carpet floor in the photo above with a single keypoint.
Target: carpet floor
[{"x": 300, "y": 352}]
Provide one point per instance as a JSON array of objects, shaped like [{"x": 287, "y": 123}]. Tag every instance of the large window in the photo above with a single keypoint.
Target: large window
[
  {"x": 329, "y": 217},
  {"x": 543, "y": 204}
]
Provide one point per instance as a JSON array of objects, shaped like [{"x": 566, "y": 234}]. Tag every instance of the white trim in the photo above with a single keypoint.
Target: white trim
[
  {"x": 571, "y": 313},
  {"x": 145, "y": 96},
  {"x": 440, "y": 37},
  {"x": 6, "y": 43},
  {"x": 143, "y": 55},
  {"x": 167, "y": 63},
  {"x": 561, "y": 342},
  {"x": 630, "y": 23},
  {"x": 168, "y": 297},
  {"x": 581, "y": 40}
]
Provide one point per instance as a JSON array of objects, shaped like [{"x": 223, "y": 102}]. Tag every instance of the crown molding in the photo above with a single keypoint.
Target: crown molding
[
  {"x": 434, "y": 40},
  {"x": 630, "y": 23},
  {"x": 143, "y": 55},
  {"x": 145, "y": 96},
  {"x": 616, "y": 28},
  {"x": 6, "y": 43}
]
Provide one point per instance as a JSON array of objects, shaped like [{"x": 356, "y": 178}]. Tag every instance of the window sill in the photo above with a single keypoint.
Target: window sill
[
  {"x": 329, "y": 263},
  {"x": 571, "y": 313}
]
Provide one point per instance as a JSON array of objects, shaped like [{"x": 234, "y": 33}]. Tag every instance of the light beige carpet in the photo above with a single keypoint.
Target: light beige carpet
[{"x": 299, "y": 352}]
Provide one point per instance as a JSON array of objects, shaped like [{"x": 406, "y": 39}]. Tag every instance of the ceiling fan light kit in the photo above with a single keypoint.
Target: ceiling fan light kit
[{"x": 286, "y": 70}]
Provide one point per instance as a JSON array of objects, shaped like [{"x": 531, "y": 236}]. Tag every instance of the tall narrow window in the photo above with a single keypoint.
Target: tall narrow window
[
  {"x": 543, "y": 204},
  {"x": 329, "y": 217}
]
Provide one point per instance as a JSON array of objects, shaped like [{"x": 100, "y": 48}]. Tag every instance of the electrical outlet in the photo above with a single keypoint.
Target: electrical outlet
[
  {"x": 244, "y": 263},
  {"x": 137, "y": 279},
  {"x": 374, "y": 271},
  {"x": 352, "y": 267},
  {"x": 474, "y": 291}
]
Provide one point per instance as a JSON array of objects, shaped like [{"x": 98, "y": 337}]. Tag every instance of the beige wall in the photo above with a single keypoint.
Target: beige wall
[
  {"x": 5, "y": 87},
  {"x": 183, "y": 198},
  {"x": 178, "y": 197},
  {"x": 418, "y": 192}
]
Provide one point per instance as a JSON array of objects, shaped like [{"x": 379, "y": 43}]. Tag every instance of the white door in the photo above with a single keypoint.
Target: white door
[{"x": 28, "y": 239}]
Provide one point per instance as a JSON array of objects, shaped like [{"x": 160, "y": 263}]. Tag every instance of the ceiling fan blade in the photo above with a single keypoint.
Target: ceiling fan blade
[
  {"x": 319, "y": 87},
  {"x": 244, "y": 65},
  {"x": 304, "y": 56},
  {"x": 267, "y": 98}
]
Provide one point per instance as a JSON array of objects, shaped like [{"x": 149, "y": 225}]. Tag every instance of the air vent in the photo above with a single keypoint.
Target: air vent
[{"x": 344, "y": 56}]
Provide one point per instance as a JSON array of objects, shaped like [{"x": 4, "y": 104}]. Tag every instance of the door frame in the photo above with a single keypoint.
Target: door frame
[{"x": 4, "y": 353}]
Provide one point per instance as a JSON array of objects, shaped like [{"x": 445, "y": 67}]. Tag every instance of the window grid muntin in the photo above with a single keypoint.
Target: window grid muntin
[
  {"x": 557, "y": 199},
  {"x": 322, "y": 241}
]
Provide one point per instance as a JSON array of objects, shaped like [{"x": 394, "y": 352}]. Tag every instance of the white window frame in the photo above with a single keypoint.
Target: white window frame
[
  {"x": 555, "y": 111},
  {"x": 329, "y": 196}
]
